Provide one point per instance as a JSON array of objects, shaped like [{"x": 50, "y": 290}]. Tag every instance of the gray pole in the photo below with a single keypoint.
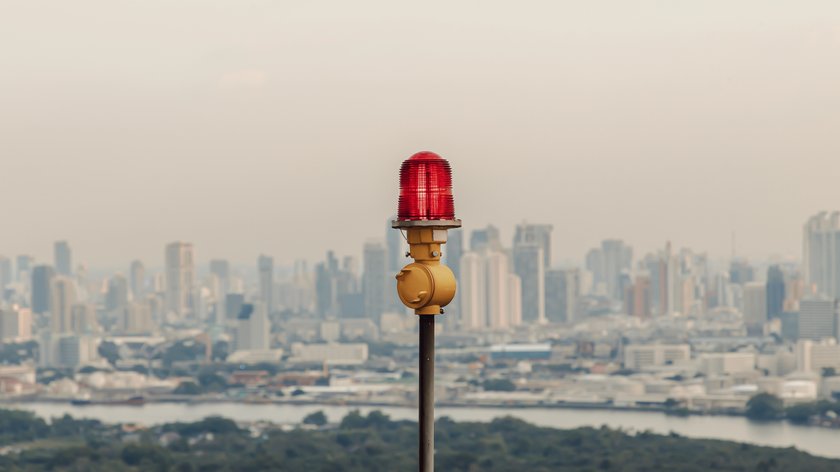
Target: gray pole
[{"x": 427, "y": 393}]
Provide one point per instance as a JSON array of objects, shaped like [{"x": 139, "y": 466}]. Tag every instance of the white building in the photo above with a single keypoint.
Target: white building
[
  {"x": 253, "y": 331},
  {"x": 727, "y": 363},
  {"x": 329, "y": 353},
  {"x": 180, "y": 278},
  {"x": 814, "y": 356},
  {"x": 491, "y": 296},
  {"x": 15, "y": 324},
  {"x": 639, "y": 356},
  {"x": 755, "y": 307}
]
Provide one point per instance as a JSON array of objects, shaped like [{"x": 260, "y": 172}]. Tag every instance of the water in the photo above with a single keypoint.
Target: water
[{"x": 817, "y": 441}]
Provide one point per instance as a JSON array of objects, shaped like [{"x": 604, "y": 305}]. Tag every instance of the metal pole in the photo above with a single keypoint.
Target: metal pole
[{"x": 427, "y": 393}]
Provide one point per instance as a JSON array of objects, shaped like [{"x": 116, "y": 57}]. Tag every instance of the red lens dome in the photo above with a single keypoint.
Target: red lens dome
[{"x": 426, "y": 188}]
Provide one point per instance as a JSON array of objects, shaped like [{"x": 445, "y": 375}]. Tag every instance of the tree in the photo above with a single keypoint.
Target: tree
[
  {"x": 317, "y": 418},
  {"x": 765, "y": 407},
  {"x": 498, "y": 385}
]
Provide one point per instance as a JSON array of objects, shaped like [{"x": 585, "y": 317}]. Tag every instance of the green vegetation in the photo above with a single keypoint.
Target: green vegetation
[
  {"x": 368, "y": 443},
  {"x": 765, "y": 407},
  {"x": 316, "y": 419},
  {"x": 498, "y": 385}
]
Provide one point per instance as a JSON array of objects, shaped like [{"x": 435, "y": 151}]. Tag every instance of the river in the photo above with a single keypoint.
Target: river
[{"x": 817, "y": 441}]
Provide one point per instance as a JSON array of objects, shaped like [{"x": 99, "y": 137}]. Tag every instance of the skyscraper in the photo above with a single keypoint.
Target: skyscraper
[
  {"x": 821, "y": 254},
  {"x": 452, "y": 253},
  {"x": 775, "y": 291},
  {"x": 488, "y": 238},
  {"x": 491, "y": 294},
  {"x": 637, "y": 298},
  {"x": 83, "y": 318},
  {"x": 396, "y": 247},
  {"x": 62, "y": 299},
  {"x": 42, "y": 277},
  {"x": 252, "y": 329},
  {"x": 539, "y": 234},
  {"x": 23, "y": 264},
  {"x": 265, "y": 264},
  {"x": 63, "y": 258},
  {"x": 180, "y": 276},
  {"x": 137, "y": 275},
  {"x": 374, "y": 281},
  {"x": 562, "y": 287},
  {"x": 617, "y": 259},
  {"x": 5, "y": 274},
  {"x": 473, "y": 313},
  {"x": 116, "y": 296},
  {"x": 817, "y": 318},
  {"x": 220, "y": 268},
  {"x": 755, "y": 307},
  {"x": 528, "y": 265}
]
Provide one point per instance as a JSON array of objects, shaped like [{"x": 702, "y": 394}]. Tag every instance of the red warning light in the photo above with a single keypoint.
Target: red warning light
[{"x": 426, "y": 189}]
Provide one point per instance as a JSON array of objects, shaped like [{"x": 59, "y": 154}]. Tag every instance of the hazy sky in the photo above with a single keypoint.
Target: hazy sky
[{"x": 279, "y": 126}]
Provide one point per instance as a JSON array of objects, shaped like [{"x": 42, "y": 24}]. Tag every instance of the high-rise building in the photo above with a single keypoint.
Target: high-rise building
[
  {"x": 62, "y": 299},
  {"x": 220, "y": 268},
  {"x": 452, "y": 253},
  {"x": 529, "y": 267},
  {"x": 617, "y": 259},
  {"x": 253, "y": 330},
  {"x": 326, "y": 292},
  {"x": 116, "y": 296},
  {"x": 539, "y": 234},
  {"x": 775, "y": 291},
  {"x": 396, "y": 247},
  {"x": 15, "y": 324},
  {"x": 562, "y": 288},
  {"x": 487, "y": 238},
  {"x": 817, "y": 318},
  {"x": 265, "y": 264},
  {"x": 490, "y": 294},
  {"x": 137, "y": 275},
  {"x": 233, "y": 304},
  {"x": 473, "y": 313},
  {"x": 136, "y": 318},
  {"x": 374, "y": 279},
  {"x": 63, "y": 258},
  {"x": 821, "y": 254},
  {"x": 741, "y": 272},
  {"x": 755, "y": 307},
  {"x": 42, "y": 277},
  {"x": 5, "y": 274},
  {"x": 23, "y": 265},
  {"x": 83, "y": 318},
  {"x": 637, "y": 297},
  {"x": 180, "y": 277}
]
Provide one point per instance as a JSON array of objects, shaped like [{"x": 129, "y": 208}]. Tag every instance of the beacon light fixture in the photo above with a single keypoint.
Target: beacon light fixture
[{"x": 426, "y": 210}]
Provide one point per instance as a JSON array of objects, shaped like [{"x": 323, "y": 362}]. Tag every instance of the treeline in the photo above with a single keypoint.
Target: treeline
[
  {"x": 372, "y": 443},
  {"x": 768, "y": 407}
]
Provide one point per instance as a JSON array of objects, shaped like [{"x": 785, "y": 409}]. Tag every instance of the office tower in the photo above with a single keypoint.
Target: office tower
[
  {"x": 539, "y": 234},
  {"x": 595, "y": 265},
  {"x": 821, "y": 254},
  {"x": 180, "y": 276},
  {"x": 528, "y": 266},
  {"x": 326, "y": 296},
  {"x": 817, "y": 318},
  {"x": 137, "y": 275},
  {"x": 396, "y": 247},
  {"x": 496, "y": 290},
  {"x": 617, "y": 258},
  {"x": 136, "y": 318},
  {"x": 23, "y": 264},
  {"x": 755, "y": 307},
  {"x": 62, "y": 298},
  {"x": 452, "y": 253},
  {"x": 775, "y": 291},
  {"x": 83, "y": 318},
  {"x": 562, "y": 288},
  {"x": 116, "y": 296},
  {"x": 514, "y": 287},
  {"x": 487, "y": 238},
  {"x": 15, "y": 324},
  {"x": 63, "y": 258},
  {"x": 252, "y": 330},
  {"x": 220, "y": 269},
  {"x": 741, "y": 272},
  {"x": 265, "y": 265},
  {"x": 473, "y": 313},
  {"x": 5, "y": 273},
  {"x": 637, "y": 298},
  {"x": 233, "y": 304},
  {"x": 42, "y": 277},
  {"x": 374, "y": 281}
]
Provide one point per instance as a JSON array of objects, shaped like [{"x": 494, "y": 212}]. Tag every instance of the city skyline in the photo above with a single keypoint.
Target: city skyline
[{"x": 721, "y": 110}]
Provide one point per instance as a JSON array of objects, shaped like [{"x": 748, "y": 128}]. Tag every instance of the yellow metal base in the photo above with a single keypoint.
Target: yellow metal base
[{"x": 426, "y": 285}]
